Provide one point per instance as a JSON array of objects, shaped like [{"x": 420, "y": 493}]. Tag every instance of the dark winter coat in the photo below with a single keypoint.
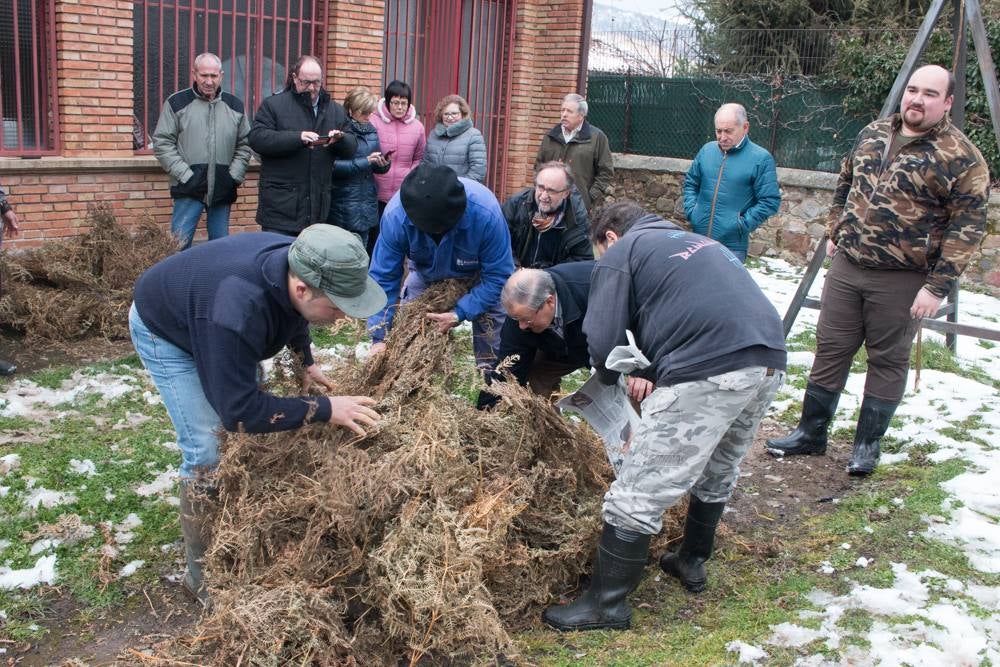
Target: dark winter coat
[
  {"x": 353, "y": 197},
  {"x": 588, "y": 155},
  {"x": 295, "y": 178},
  {"x": 574, "y": 232}
]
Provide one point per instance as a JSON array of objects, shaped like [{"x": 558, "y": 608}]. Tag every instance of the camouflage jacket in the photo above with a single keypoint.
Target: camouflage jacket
[{"x": 923, "y": 211}]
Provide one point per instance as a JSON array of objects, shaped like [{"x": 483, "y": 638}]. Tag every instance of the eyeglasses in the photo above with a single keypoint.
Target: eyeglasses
[
  {"x": 527, "y": 323},
  {"x": 550, "y": 191},
  {"x": 451, "y": 114},
  {"x": 309, "y": 83},
  {"x": 399, "y": 103}
]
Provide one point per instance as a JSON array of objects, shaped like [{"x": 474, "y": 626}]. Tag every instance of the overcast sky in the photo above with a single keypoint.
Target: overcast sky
[{"x": 665, "y": 9}]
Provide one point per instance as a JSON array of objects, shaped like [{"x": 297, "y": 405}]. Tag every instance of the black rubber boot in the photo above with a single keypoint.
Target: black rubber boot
[
  {"x": 872, "y": 425},
  {"x": 7, "y": 368},
  {"x": 688, "y": 562},
  {"x": 618, "y": 568},
  {"x": 809, "y": 437},
  {"x": 197, "y": 533}
]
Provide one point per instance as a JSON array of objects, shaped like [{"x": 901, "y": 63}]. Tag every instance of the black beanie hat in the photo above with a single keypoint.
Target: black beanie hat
[{"x": 433, "y": 198}]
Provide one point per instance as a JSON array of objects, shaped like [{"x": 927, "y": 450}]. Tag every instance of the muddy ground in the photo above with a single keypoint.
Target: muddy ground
[{"x": 771, "y": 495}]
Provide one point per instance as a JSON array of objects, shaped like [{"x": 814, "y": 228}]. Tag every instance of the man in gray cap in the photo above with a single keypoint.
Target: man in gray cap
[
  {"x": 203, "y": 319},
  {"x": 448, "y": 227}
]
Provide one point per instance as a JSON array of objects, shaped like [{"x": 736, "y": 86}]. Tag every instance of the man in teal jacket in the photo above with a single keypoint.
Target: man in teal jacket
[{"x": 732, "y": 185}]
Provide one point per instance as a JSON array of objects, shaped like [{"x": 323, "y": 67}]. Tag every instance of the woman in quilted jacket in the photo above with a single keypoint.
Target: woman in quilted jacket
[{"x": 454, "y": 142}]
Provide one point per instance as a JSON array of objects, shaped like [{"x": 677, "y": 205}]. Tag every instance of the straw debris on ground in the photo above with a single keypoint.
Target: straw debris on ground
[
  {"x": 427, "y": 542},
  {"x": 71, "y": 289}
]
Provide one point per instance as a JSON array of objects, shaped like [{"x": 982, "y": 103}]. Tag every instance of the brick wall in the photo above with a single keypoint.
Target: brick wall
[
  {"x": 545, "y": 65},
  {"x": 94, "y": 76},
  {"x": 354, "y": 46},
  {"x": 95, "y": 81}
]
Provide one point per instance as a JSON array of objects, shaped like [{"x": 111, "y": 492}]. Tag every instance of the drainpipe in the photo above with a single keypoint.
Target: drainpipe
[{"x": 581, "y": 78}]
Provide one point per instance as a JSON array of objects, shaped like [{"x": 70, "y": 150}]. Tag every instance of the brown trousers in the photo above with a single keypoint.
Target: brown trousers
[{"x": 871, "y": 307}]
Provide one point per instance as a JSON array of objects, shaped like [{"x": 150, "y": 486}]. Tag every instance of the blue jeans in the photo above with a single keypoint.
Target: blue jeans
[
  {"x": 176, "y": 377},
  {"x": 186, "y": 215},
  {"x": 485, "y": 328}
]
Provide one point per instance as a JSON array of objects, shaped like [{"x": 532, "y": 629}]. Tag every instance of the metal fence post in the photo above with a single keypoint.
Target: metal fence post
[{"x": 627, "y": 130}]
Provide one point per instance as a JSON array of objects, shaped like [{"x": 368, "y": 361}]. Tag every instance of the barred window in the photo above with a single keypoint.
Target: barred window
[
  {"x": 28, "y": 111},
  {"x": 257, "y": 41}
]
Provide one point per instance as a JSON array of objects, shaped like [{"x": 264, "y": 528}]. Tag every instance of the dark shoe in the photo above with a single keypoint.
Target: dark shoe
[
  {"x": 873, "y": 422},
  {"x": 688, "y": 562},
  {"x": 197, "y": 533},
  {"x": 7, "y": 368},
  {"x": 809, "y": 437},
  {"x": 618, "y": 568}
]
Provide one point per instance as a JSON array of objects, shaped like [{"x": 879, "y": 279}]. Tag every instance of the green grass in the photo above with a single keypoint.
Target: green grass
[
  {"x": 749, "y": 595},
  {"x": 124, "y": 458},
  {"x": 749, "y": 591}
]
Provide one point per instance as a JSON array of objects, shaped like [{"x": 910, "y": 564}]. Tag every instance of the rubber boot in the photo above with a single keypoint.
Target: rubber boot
[
  {"x": 872, "y": 425},
  {"x": 618, "y": 568},
  {"x": 688, "y": 562},
  {"x": 7, "y": 368},
  {"x": 809, "y": 437},
  {"x": 197, "y": 534}
]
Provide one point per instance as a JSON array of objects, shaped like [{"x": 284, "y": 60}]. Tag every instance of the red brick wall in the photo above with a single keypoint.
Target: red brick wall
[
  {"x": 546, "y": 62},
  {"x": 95, "y": 77},
  {"x": 354, "y": 46}
]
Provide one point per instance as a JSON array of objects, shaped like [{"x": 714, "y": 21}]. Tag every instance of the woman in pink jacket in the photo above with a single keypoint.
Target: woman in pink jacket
[{"x": 402, "y": 139}]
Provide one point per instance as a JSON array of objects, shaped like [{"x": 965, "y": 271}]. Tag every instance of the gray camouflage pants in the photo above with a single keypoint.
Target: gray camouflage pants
[{"x": 692, "y": 436}]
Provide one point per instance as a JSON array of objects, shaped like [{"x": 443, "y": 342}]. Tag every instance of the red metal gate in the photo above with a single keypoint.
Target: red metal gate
[{"x": 442, "y": 47}]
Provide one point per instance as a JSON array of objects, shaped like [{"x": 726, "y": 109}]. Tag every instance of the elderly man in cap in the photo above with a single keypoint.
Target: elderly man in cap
[
  {"x": 448, "y": 227},
  {"x": 203, "y": 319}
]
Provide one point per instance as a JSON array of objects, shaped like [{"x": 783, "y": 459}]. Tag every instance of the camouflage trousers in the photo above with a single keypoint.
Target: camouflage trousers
[{"x": 692, "y": 436}]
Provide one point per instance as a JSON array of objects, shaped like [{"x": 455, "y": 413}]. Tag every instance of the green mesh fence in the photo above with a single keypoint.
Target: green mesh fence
[{"x": 802, "y": 123}]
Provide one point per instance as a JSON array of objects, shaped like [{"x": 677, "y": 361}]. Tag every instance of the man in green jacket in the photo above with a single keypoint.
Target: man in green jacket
[
  {"x": 583, "y": 147},
  {"x": 202, "y": 141},
  {"x": 732, "y": 185}
]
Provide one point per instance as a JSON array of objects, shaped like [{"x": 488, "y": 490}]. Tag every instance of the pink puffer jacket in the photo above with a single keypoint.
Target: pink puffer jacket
[{"x": 407, "y": 138}]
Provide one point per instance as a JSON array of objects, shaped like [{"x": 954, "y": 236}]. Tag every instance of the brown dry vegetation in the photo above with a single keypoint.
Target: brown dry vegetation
[
  {"x": 427, "y": 541},
  {"x": 67, "y": 290}
]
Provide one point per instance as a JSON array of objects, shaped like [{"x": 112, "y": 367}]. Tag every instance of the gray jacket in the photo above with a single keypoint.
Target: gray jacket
[
  {"x": 204, "y": 145},
  {"x": 694, "y": 310},
  {"x": 460, "y": 147}
]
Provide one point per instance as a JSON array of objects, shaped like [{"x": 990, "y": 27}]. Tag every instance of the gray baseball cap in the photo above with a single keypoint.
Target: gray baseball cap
[{"x": 333, "y": 260}]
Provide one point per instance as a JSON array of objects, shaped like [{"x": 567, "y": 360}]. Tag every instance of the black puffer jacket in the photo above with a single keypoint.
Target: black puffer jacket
[
  {"x": 354, "y": 200},
  {"x": 295, "y": 178},
  {"x": 574, "y": 237}
]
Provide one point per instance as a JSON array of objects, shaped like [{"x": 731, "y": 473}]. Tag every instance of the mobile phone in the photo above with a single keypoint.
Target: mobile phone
[
  {"x": 322, "y": 141},
  {"x": 388, "y": 154}
]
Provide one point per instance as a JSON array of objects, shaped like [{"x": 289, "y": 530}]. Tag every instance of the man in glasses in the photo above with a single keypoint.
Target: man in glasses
[
  {"x": 548, "y": 222},
  {"x": 298, "y": 134},
  {"x": 544, "y": 327}
]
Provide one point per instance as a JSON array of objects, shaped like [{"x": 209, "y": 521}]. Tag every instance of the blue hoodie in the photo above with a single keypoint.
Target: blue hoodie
[
  {"x": 478, "y": 245},
  {"x": 747, "y": 195}
]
